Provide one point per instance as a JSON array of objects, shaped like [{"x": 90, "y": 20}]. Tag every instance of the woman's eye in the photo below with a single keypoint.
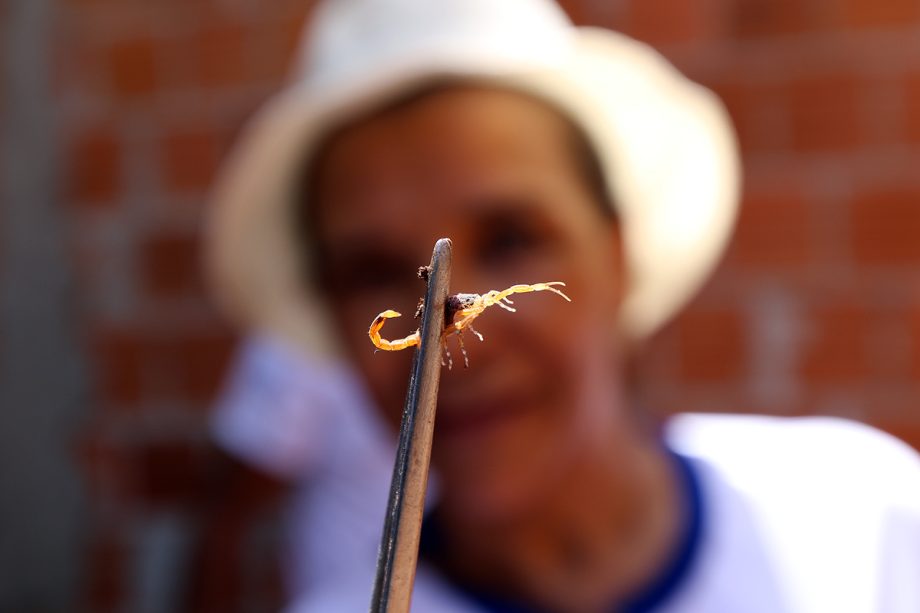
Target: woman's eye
[
  {"x": 369, "y": 273},
  {"x": 507, "y": 239}
]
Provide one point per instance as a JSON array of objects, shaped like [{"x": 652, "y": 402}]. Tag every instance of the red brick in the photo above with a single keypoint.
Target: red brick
[
  {"x": 137, "y": 364},
  {"x": 170, "y": 265},
  {"x": 290, "y": 34},
  {"x": 276, "y": 45},
  {"x": 912, "y": 108},
  {"x": 588, "y": 13},
  {"x": 189, "y": 158},
  {"x": 712, "y": 345},
  {"x": 220, "y": 56},
  {"x": 145, "y": 474},
  {"x": 663, "y": 22},
  {"x": 120, "y": 358},
  {"x": 270, "y": 584},
  {"x": 164, "y": 365},
  {"x": 220, "y": 581},
  {"x": 201, "y": 361},
  {"x": 75, "y": 62},
  {"x": 885, "y": 227},
  {"x": 836, "y": 346},
  {"x": 89, "y": 4},
  {"x": 914, "y": 332},
  {"x": 825, "y": 113},
  {"x": 94, "y": 159},
  {"x": 738, "y": 100},
  {"x": 232, "y": 566},
  {"x": 94, "y": 457},
  {"x": 106, "y": 576},
  {"x": 879, "y": 13},
  {"x": 274, "y": 63},
  {"x": 749, "y": 101},
  {"x": 770, "y": 18},
  {"x": 774, "y": 230},
  {"x": 132, "y": 67},
  {"x": 168, "y": 473}
]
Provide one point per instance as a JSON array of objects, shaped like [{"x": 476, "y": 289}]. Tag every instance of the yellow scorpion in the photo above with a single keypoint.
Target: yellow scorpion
[{"x": 460, "y": 311}]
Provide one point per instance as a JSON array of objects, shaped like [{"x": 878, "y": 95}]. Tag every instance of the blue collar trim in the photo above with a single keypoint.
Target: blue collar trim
[
  {"x": 673, "y": 574},
  {"x": 678, "y": 568}
]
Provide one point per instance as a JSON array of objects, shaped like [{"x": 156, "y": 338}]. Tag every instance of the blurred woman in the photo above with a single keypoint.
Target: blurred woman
[{"x": 546, "y": 153}]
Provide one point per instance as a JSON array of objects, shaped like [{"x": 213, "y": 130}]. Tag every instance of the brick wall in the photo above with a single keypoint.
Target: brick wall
[
  {"x": 815, "y": 310},
  {"x": 151, "y": 95}
]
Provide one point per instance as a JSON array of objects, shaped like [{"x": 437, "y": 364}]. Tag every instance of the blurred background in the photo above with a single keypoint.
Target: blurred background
[{"x": 114, "y": 117}]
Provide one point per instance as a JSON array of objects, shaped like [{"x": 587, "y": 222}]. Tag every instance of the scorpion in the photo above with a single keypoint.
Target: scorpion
[{"x": 460, "y": 311}]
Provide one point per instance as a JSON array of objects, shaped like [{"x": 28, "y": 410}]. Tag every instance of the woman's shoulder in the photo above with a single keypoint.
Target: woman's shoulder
[
  {"x": 825, "y": 502},
  {"x": 828, "y": 455},
  {"x": 811, "y": 445}
]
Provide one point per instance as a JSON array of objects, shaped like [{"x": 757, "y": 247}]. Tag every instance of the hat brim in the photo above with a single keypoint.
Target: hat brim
[{"x": 665, "y": 143}]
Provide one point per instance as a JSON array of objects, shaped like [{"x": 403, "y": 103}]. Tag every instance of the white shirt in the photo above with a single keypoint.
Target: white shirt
[
  {"x": 807, "y": 515},
  {"x": 312, "y": 424},
  {"x": 800, "y": 515}
]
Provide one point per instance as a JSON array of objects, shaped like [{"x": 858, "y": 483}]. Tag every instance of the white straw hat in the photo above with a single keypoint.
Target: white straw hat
[{"x": 665, "y": 144}]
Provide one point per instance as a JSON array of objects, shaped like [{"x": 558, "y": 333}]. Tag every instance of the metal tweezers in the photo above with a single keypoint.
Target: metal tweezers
[{"x": 398, "y": 553}]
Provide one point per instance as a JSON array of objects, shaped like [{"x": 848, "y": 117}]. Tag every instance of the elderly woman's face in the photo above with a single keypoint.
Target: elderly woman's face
[{"x": 495, "y": 172}]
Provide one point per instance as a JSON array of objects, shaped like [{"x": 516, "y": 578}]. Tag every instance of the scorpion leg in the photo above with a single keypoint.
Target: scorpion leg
[
  {"x": 446, "y": 353},
  {"x": 466, "y": 358},
  {"x": 477, "y": 334}
]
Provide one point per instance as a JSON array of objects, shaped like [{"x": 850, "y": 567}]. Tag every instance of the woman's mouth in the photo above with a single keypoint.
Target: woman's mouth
[{"x": 478, "y": 416}]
